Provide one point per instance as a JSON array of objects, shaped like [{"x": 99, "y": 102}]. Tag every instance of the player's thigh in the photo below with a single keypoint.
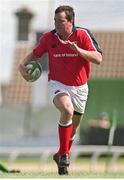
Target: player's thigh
[{"x": 79, "y": 97}]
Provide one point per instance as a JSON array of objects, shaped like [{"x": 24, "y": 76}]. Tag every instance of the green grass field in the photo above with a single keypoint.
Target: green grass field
[
  {"x": 71, "y": 175},
  {"x": 81, "y": 168}
]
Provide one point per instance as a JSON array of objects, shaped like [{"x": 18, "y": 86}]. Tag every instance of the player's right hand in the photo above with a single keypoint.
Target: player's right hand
[{"x": 24, "y": 72}]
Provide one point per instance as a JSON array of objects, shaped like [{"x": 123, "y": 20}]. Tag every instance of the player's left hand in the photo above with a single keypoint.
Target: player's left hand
[
  {"x": 24, "y": 72},
  {"x": 72, "y": 45}
]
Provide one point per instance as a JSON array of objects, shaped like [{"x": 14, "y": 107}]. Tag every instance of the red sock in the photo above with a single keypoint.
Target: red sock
[
  {"x": 70, "y": 145},
  {"x": 64, "y": 138},
  {"x": 57, "y": 155}
]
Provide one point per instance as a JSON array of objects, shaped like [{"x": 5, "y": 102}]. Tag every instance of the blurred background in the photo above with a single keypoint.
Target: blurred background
[{"x": 27, "y": 117}]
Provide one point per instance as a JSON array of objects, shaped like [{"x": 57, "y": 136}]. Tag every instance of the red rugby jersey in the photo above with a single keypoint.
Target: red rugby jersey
[{"x": 65, "y": 65}]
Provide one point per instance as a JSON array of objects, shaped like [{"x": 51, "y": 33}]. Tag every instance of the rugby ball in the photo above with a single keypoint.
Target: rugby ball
[{"x": 35, "y": 69}]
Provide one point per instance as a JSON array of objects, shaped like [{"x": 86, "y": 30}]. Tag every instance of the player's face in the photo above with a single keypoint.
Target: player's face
[{"x": 62, "y": 25}]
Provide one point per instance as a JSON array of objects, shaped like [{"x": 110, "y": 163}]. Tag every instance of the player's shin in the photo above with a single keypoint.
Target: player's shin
[{"x": 65, "y": 131}]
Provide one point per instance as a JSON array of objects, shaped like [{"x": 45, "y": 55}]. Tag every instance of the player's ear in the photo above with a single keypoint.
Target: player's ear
[{"x": 72, "y": 21}]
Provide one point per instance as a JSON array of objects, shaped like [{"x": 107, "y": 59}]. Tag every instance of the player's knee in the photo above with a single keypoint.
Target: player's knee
[{"x": 68, "y": 111}]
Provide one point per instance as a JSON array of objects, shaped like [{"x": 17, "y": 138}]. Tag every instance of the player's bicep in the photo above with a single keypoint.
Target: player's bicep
[
  {"x": 90, "y": 42},
  {"x": 40, "y": 48}
]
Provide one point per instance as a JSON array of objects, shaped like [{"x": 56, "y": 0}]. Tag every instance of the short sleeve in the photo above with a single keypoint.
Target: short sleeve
[
  {"x": 41, "y": 47},
  {"x": 90, "y": 42}
]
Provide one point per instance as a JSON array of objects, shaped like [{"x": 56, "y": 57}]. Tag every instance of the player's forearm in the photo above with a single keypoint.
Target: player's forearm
[
  {"x": 28, "y": 58},
  {"x": 92, "y": 56}
]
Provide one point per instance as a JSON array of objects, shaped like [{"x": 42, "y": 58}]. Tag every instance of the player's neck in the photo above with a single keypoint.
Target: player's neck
[{"x": 65, "y": 34}]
